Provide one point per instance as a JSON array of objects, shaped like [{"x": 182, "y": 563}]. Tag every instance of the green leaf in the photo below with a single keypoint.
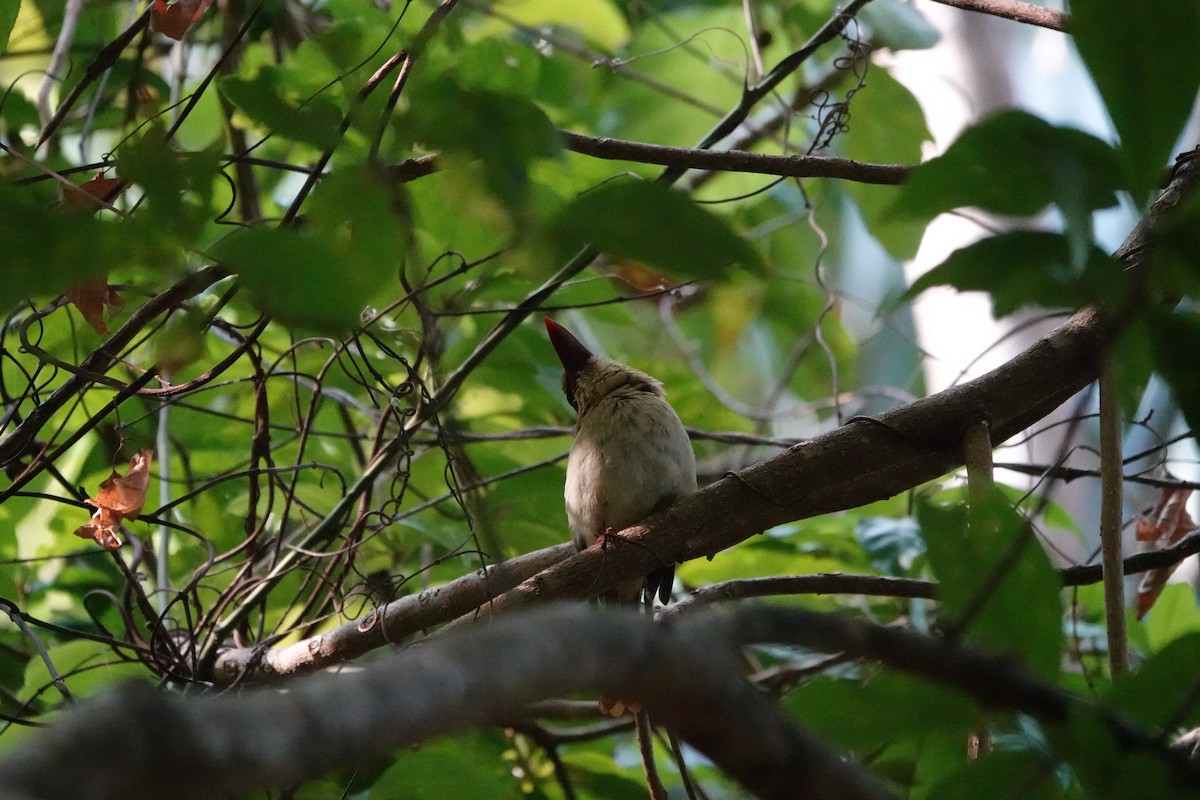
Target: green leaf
[
  {"x": 889, "y": 707},
  {"x": 177, "y": 185},
  {"x": 1175, "y": 614},
  {"x": 266, "y": 101},
  {"x": 599, "y": 21},
  {"x": 469, "y": 767},
  {"x": 1014, "y": 163},
  {"x": 1023, "y": 268},
  {"x": 1145, "y": 62},
  {"x": 892, "y": 544},
  {"x": 887, "y": 127},
  {"x": 1023, "y": 774},
  {"x": 506, "y": 132},
  {"x": 325, "y": 274},
  {"x": 649, "y": 223},
  {"x": 1162, "y": 692},
  {"x": 46, "y": 249},
  {"x": 1174, "y": 341},
  {"x": 8, "y": 18},
  {"x": 990, "y": 566}
]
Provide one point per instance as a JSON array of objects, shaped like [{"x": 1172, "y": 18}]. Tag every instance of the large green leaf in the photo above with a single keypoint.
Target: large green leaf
[
  {"x": 650, "y": 223},
  {"x": 864, "y": 716},
  {"x": 1174, "y": 341},
  {"x": 1161, "y": 693},
  {"x": 1144, "y": 59},
  {"x": 264, "y": 99},
  {"x": 1025, "y": 268},
  {"x": 48, "y": 249},
  {"x": 887, "y": 127},
  {"x": 177, "y": 186},
  {"x": 994, "y": 580},
  {"x": 324, "y": 275},
  {"x": 505, "y": 132},
  {"x": 1014, "y": 163},
  {"x": 8, "y": 17}
]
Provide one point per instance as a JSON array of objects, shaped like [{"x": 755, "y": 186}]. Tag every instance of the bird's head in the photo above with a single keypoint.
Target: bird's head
[{"x": 588, "y": 377}]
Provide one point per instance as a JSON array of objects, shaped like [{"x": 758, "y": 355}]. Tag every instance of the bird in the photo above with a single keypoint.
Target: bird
[{"x": 631, "y": 455}]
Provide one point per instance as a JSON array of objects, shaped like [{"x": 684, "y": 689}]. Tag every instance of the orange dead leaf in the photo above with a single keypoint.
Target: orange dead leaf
[
  {"x": 641, "y": 279},
  {"x": 1165, "y": 526},
  {"x": 121, "y": 497},
  {"x": 173, "y": 20},
  {"x": 98, "y": 187},
  {"x": 91, "y": 298}
]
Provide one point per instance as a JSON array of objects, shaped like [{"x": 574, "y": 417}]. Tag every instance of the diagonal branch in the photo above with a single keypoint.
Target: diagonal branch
[{"x": 866, "y": 460}]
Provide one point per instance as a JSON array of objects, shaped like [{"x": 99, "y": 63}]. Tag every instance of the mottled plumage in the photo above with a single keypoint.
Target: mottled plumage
[{"x": 631, "y": 454}]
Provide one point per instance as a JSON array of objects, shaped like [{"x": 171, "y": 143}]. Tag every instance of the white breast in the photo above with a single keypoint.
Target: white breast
[{"x": 631, "y": 454}]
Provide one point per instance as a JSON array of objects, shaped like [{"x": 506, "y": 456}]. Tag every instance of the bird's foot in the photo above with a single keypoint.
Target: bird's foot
[{"x": 609, "y": 537}]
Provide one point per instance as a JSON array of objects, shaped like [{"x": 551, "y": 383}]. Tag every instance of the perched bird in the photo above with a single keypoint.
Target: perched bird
[{"x": 631, "y": 455}]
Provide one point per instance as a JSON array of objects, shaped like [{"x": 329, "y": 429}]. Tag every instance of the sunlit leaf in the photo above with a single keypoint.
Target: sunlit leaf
[{"x": 120, "y": 497}]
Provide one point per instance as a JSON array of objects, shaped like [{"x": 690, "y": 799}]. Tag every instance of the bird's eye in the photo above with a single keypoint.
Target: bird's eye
[{"x": 568, "y": 387}]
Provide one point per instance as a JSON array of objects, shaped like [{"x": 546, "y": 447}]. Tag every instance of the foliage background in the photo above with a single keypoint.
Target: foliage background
[{"x": 351, "y": 399}]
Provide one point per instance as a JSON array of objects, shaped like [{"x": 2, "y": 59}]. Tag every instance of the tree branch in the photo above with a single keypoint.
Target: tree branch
[
  {"x": 1028, "y": 13},
  {"x": 685, "y": 675},
  {"x": 684, "y": 158},
  {"x": 408, "y": 615}
]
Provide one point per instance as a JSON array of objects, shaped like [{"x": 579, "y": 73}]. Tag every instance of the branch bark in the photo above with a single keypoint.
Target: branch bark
[
  {"x": 1016, "y": 10},
  {"x": 684, "y": 673}
]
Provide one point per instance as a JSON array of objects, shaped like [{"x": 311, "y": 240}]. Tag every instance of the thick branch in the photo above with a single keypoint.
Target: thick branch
[
  {"x": 408, "y": 615},
  {"x": 684, "y": 674},
  {"x": 395, "y": 621}
]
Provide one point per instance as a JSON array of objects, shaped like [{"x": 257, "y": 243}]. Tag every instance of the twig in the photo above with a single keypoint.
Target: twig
[
  {"x": 1016, "y": 10},
  {"x": 1110, "y": 519}
]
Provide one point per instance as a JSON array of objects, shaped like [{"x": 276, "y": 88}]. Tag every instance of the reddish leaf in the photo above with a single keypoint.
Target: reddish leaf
[
  {"x": 102, "y": 189},
  {"x": 91, "y": 299},
  {"x": 173, "y": 20},
  {"x": 1166, "y": 525},
  {"x": 641, "y": 278},
  {"x": 121, "y": 497}
]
